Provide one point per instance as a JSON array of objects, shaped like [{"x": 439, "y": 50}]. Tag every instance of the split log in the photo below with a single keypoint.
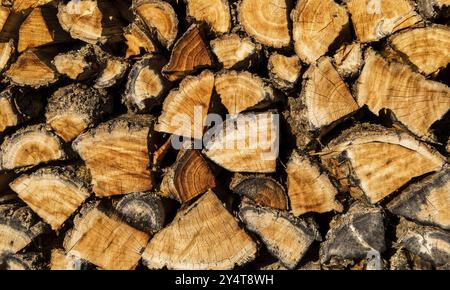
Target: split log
[
  {"x": 22, "y": 5},
  {"x": 287, "y": 238},
  {"x": 426, "y": 48},
  {"x": 185, "y": 109},
  {"x": 243, "y": 91},
  {"x": 138, "y": 41},
  {"x": 215, "y": 13},
  {"x": 160, "y": 18},
  {"x": 247, "y": 143},
  {"x": 429, "y": 244},
  {"x": 146, "y": 86},
  {"x": 373, "y": 161},
  {"x": 30, "y": 146},
  {"x": 284, "y": 71},
  {"x": 266, "y": 21},
  {"x": 91, "y": 21},
  {"x": 189, "y": 177},
  {"x": 74, "y": 108},
  {"x": 309, "y": 187},
  {"x": 349, "y": 59},
  {"x": 433, "y": 9},
  {"x": 6, "y": 52},
  {"x": 146, "y": 212},
  {"x": 41, "y": 27},
  {"x": 426, "y": 201},
  {"x": 376, "y": 19},
  {"x": 54, "y": 193},
  {"x": 18, "y": 228},
  {"x": 116, "y": 153},
  {"x": 61, "y": 261},
  {"x": 262, "y": 190},
  {"x": 18, "y": 105},
  {"x": 415, "y": 101},
  {"x": 312, "y": 114},
  {"x": 317, "y": 24},
  {"x": 235, "y": 52},
  {"x": 113, "y": 71},
  {"x": 189, "y": 55},
  {"x": 354, "y": 235},
  {"x": 78, "y": 65},
  {"x": 104, "y": 240},
  {"x": 203, "y": 228},
  {"x": 33, "y": 68}
]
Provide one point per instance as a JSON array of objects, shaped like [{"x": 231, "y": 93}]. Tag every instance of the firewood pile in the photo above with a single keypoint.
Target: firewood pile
[{"x": 224, "y": 134}]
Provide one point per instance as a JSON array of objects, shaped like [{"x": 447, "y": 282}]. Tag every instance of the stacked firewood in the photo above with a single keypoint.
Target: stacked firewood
[{"x": 216, "y": 134}]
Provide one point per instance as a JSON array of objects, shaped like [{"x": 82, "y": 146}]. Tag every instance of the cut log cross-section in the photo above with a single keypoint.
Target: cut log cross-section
[
  {"x": 91, "y": 21},
  {"x": 378, "y": 161},
  {"x": 146, "y": 86},
  {"x": 18, "y": 228},
  {"x": 41, "y": 27},
  {"x": 116, "y": 153},
  {"x": 376, "y": 19},
  {"x": 138, "y": 41},
  {"x": 247, "y": 143},
  {"x": 426, "y": 48},
  {"x": 33, "y": 68},
  {"x": 324, "y": 101},
  {"x": 416, "y": 102},
  {"x": 53, "y": 193},
  {"x": 355, "y": 234},
  {"x": 202, "y": 228},
  {"x": 146, "y": 212},
  {"x": 160, "y": 17},
  {"x": 78, "y": 65},
  {"x": 286, "y": 238},
  {"x": 317, "y": 24},
  {"x": 189, "y": 177},
  {"x": 189, "y": 55},
  {"x": 428, "y": 244},
  {"x": 29, "y": 147},
  {"x": 309, "y": 187},
  {"x": 349, "y": 59},
  {"x": 266, "y": 21},
  {"x": 185, "y": 108},
  {"x": 74, "y": 108},
  {"x": 216, "y": 13},
  {"x": 105, "y": 241},
  {"x": 234, "y": 52},
  {"x": 113, "y": 71},
  {"x": 284, "y": 70},
  {"x": 262, "y": 190},
  {"x": 242, "y": 91},
  {"x": 426, "y": 201}
]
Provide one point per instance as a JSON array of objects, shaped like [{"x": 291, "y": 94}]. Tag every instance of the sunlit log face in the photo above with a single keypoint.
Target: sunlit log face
[{"x": 231, "y": 245}]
